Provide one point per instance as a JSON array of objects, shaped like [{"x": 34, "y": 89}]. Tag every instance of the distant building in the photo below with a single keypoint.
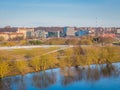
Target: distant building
[
  {"x": 4, "y": 35},
  {"x": 118, "y": 30},
  {"x": 118, "y": 33},
  {"x": 16, "y": 35},
  {"x": 68, "y": 31},
  {"x": 108, "y": 35},
  {"x": 49, "y": 32},
  {"x": 9, "y": 36},
  {"x": 40, "y": 34},
  {"x": 28, "y": 32},
  {"x": 54, "y": 34},
  {"x": 13, "y": 32},
  {"x": 82, "y": 32}
]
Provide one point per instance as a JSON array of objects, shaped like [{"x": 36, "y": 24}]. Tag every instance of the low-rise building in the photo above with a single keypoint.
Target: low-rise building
[
  {"x": 9, "y": 32},
  {"x": 16, "y": 35},
  {"x": 40, "y": 34},
  {"x": 54, "y": 34},
  {"x": 28, "y": 32},
  {"x": 68, "y": 31},
  {"x": 118, "y": 30},
  {"x": 118, "y": 33},
  {"x": 5, "y": 36},
  {"x": 82, "y": 33},
  {"x": 9, "y": 36},
  {"x": 108, "y": 35}
]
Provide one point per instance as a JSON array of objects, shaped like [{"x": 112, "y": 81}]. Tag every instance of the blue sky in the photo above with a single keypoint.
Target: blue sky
[{"x": 30, "y": 13}]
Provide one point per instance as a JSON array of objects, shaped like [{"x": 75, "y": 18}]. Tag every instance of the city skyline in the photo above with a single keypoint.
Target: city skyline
[{"x": 33, "y": 13}]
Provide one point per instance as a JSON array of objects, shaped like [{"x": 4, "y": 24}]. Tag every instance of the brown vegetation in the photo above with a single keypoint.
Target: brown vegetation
[{"x": 23, "y": 61}]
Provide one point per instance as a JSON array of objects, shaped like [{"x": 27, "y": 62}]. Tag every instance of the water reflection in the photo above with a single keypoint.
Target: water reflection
[
  {"x": 5, "y": 84},
  {"x": 91, "y": 73},
  {"x": 37, "y": 80},
  {"x": 110, "y": 70},
  {"x": 10, "y": 83},
  {"x": 43, "y": 79},
  {"x": 65, "y": 77}
]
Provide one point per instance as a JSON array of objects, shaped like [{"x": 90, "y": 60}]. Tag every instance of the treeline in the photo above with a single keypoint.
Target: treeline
[
  {"x": 77, "y": 56},
  {"x": 22, "y": 67},
  {"x": 85, "y": 40},
  {"x": 53, "y": 41}
]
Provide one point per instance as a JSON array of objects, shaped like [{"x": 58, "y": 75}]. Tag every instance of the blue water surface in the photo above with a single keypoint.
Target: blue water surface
[{"x": 95, "y": 77}]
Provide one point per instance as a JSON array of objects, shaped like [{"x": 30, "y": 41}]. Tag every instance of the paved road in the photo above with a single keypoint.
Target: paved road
[
  {"x": 39, "y": 46},
  {"x": 34, "y": 46}
]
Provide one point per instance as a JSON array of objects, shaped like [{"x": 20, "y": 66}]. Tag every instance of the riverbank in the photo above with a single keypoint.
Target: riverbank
[
  {"x": 26, "y": 61},
  {"x": 31, "y": 70},
  {"x": 89, "y": 77}
]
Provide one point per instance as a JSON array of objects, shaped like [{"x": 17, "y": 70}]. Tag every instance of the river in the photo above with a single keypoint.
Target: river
[{"x": 94, "y": 77}]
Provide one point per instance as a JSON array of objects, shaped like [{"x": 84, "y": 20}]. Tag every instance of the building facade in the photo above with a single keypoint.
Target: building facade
[
  {"x": 40, "y": 34},
  {"x": 54, "y": 34},
  {"x": 10, "y": 36},
  {"x": 5, "y": 36},
  {"x": 118, "y": 33},
  {"x": 82, "y": 33},
  {"x": 28, "y": 32},
  {"x": 118, "y": 30},
  {"x": 68, "y": 31}
]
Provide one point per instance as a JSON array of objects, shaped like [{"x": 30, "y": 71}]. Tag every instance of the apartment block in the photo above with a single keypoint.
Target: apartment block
[
  {"x": 82, "y": 33},
  {"x": 40, "y": 34},
  {"x": 9, "y": 36},
  {"x": 28, "y": 32},
  {"x": 54, "y": 34},
  {"x": 68, "y": 31}
]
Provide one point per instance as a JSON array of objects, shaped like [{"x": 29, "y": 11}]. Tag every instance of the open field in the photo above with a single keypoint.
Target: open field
[{"x": 24, "y": 53}]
